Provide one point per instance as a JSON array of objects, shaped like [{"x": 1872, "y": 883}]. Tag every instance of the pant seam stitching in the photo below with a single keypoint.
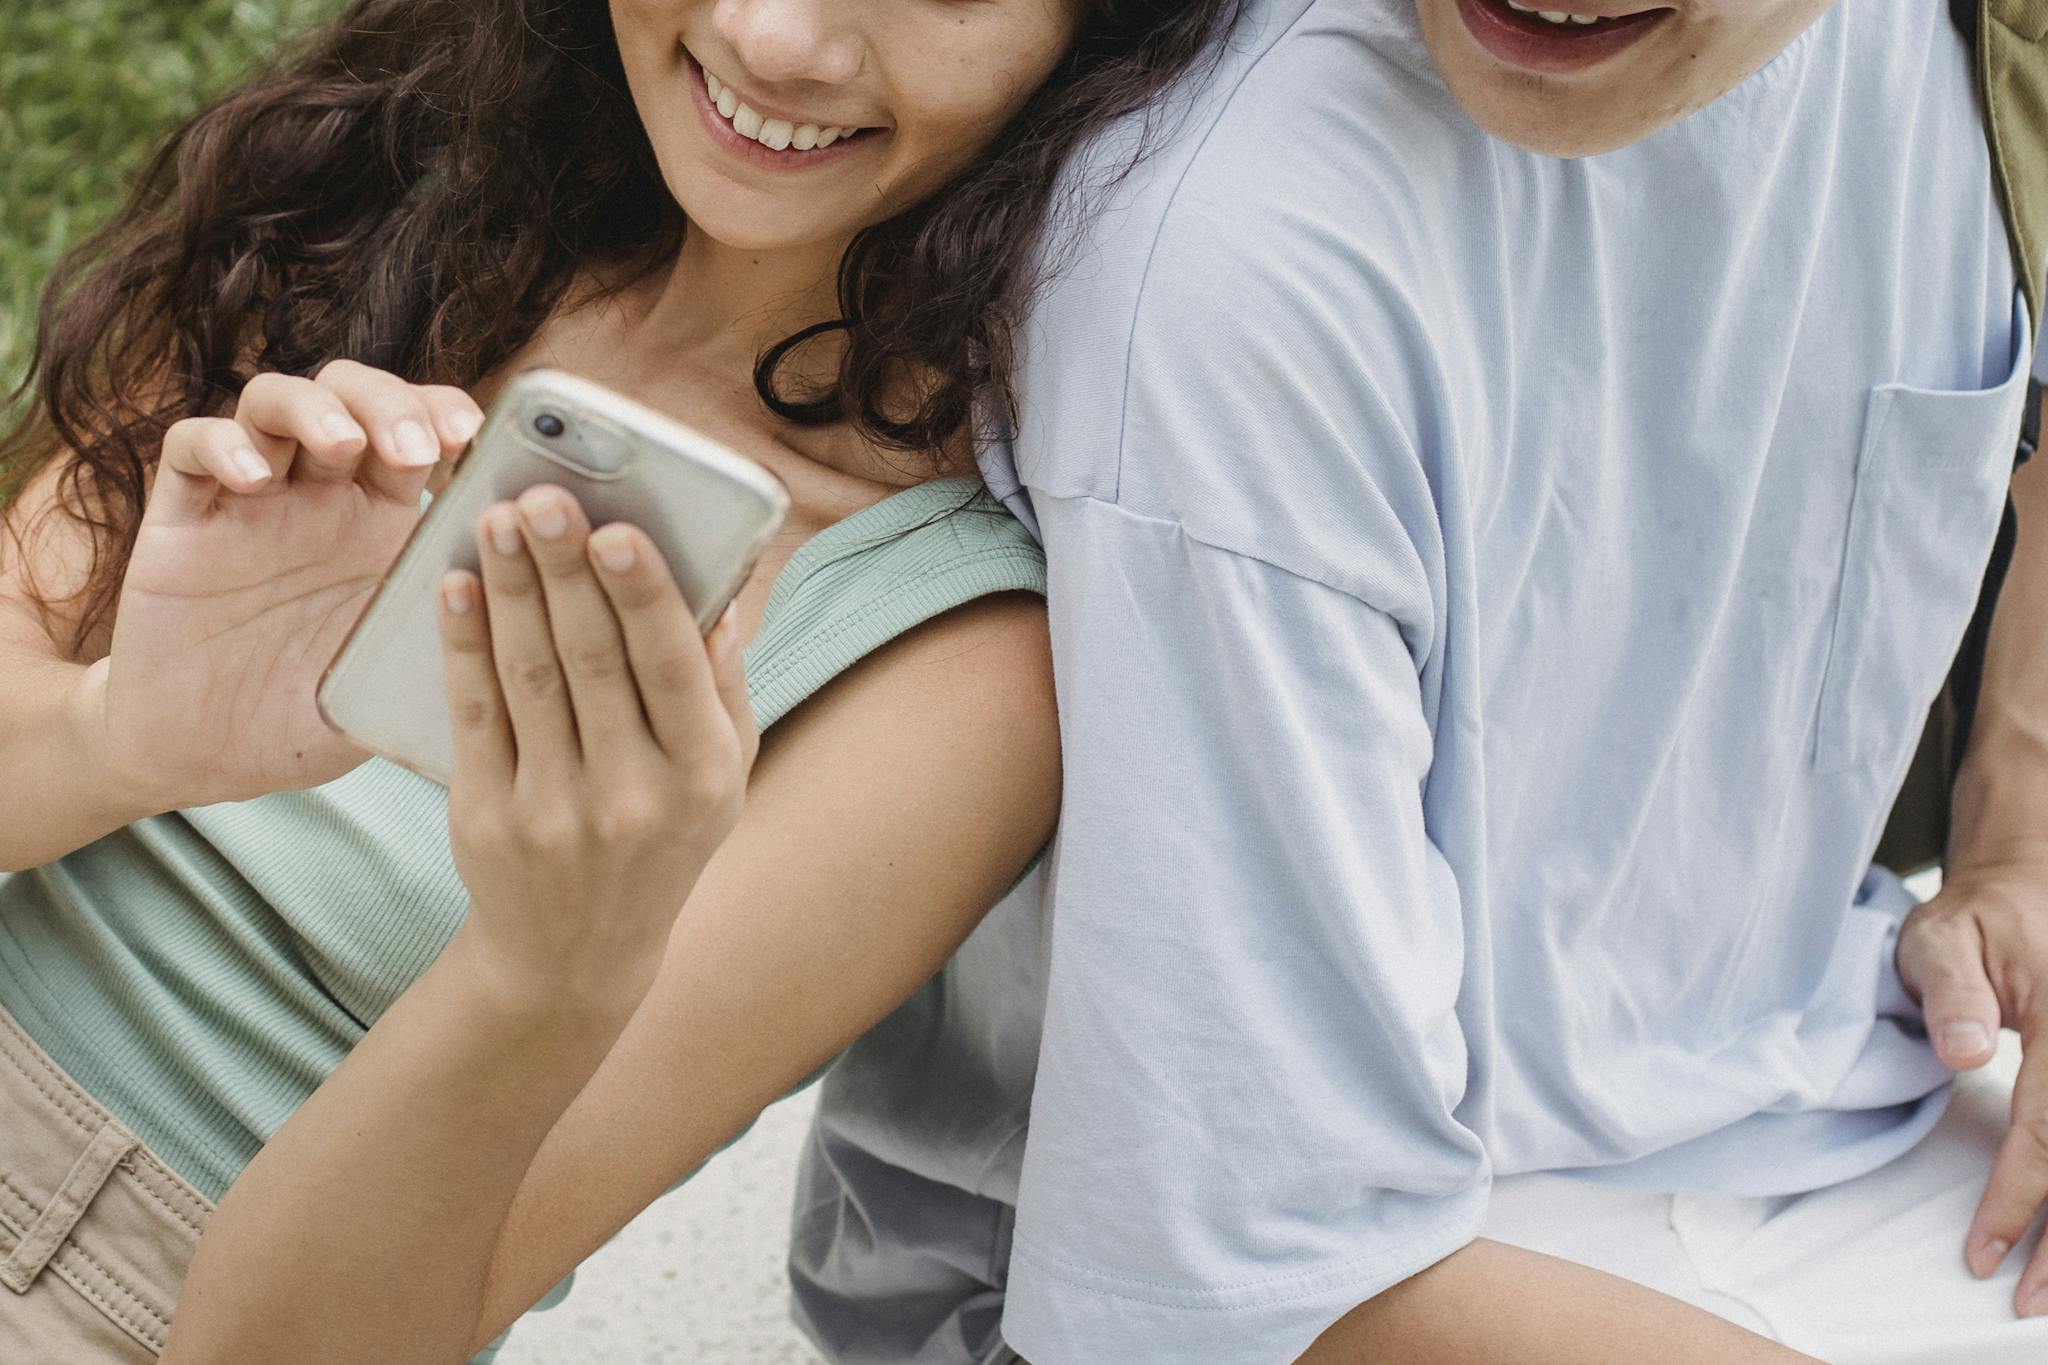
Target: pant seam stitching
[
  {"x": 26, "y": 1202},
  {"x": 80, "y": 1281},
  {"x": 136, "y": 1180}
]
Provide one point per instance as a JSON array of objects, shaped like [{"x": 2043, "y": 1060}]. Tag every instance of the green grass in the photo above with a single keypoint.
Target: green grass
[{"x": 87, "y": 89}]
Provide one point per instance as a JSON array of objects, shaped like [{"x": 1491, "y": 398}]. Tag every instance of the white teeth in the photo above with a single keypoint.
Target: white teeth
[
  {"x": 1555, "y": 16},
  {"x": 773, "y": 133}
]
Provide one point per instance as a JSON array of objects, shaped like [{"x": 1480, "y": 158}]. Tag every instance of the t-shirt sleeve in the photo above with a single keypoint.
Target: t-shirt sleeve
[{"x": 1246, "y": 1116}]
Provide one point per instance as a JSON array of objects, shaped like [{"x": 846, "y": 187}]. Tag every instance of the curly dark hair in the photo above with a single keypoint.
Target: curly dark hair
[{"x": 417, "y": 189}]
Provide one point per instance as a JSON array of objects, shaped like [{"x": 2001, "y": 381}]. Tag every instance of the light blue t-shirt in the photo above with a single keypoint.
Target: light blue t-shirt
[{"x": 1494, "y": 600}]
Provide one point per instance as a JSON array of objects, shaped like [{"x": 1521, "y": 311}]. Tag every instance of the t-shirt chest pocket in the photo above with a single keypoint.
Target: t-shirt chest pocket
[{"x": 1930, "y": 487}]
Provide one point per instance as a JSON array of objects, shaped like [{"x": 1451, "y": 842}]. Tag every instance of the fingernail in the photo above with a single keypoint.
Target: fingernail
[
  {"x": 464, "y": 424},
  {"x": 340, "y": 428},
  {"x": 1990, "y": 1254},
  {"x": 1966, "y": 1039},
  {"x": 615, "y": 552},
  {"x": 2036, "y": 1304},
  {"x": 727, "y": 630},
  {"x": 250, "y": 465},
  {"x": 455, "y": 592},
  {"x": 548, "y": 519},
  {"x": 504, "y": 533},
  {"x": 416, "y": 445}
]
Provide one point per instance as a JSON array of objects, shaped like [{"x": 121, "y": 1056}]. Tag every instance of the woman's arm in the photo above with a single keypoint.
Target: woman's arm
[
  {"x": 601, "y": 752},
  {"x": 262, "y": 538},
  {"x": 884, "y": 818},
  {"x": 62, "y": 790},
  {"x": 389, "y": 1218}
]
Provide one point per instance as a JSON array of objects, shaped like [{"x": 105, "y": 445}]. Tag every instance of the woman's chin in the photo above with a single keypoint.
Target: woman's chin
[{"x": 762, "y": 225}]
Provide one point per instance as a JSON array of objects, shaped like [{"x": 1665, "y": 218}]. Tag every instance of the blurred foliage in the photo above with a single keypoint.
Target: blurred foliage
[{"x": 88, "y": 88}]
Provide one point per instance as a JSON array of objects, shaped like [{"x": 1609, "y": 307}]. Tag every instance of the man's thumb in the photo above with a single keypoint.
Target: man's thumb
[{"x": 1941, "y": 961}]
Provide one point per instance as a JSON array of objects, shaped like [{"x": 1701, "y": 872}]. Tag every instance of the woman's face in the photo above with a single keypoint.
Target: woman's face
[{"x": 784, "y": 123}]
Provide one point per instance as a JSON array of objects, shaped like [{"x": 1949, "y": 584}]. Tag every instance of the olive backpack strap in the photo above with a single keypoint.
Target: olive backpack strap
[{"x": 2010, "y": 40}]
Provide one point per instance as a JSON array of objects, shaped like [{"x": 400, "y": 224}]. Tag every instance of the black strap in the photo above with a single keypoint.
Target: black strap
[
  {"x": 1965, "y": 14},
  {"x": 2030, "y": 424}
]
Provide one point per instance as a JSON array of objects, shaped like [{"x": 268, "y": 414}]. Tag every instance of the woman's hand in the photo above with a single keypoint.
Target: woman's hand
[
  {"x": 264, "y": 536},
  {"x": 601, "y": 747}
]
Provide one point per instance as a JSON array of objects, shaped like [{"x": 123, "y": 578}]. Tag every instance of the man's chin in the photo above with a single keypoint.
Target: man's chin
[
  {"x": 1547, "y": 115},
  {"x": 1556, "y": 129}
]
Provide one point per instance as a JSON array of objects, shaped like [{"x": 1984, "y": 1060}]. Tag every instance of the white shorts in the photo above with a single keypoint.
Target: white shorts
[{"x": 1868, "y": 1272}]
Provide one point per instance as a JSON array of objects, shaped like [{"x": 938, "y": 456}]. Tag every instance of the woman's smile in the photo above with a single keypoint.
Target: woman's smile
[{"x": 768, "y": 137}]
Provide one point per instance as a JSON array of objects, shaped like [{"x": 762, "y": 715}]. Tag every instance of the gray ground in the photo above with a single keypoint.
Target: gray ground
[{"x": 695, "y": 1280}]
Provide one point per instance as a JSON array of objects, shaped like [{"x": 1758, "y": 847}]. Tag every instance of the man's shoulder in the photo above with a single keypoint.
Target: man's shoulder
[
  {"x": 1285, "y": 203},
  {"x": 1319, "y": 118}
]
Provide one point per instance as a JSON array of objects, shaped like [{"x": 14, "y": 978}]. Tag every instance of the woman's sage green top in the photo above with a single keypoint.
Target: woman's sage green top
[{"x": 200, "y": 972}]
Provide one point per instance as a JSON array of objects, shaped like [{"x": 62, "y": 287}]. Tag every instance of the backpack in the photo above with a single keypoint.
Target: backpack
[{"x": 2010, "y": 39}]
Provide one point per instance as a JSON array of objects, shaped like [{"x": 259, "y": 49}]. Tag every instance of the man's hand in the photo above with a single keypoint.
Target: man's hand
[{"x": 1976, "y": 957}]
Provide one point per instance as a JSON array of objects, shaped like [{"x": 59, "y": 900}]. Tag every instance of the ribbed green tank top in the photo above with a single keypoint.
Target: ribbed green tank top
[{"x": 199, "y": 973}]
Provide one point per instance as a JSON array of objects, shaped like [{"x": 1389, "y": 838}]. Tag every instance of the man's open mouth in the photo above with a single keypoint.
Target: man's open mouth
[{"x": 1555, "y": 40}]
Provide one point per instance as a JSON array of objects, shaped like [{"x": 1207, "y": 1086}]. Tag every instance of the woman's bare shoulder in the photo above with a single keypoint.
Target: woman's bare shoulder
[{"x": 945, "y": 739}]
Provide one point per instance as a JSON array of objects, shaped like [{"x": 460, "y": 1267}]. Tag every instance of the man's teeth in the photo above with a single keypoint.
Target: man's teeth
[
  {"x": 1555, "y": 16},
  {"x": 774, "y": 133}
]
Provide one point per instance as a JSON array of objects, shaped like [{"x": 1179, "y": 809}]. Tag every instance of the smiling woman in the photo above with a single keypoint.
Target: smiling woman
[
  {"x": 427, "y": 1048},
  {"x": 410, "y": 194}
]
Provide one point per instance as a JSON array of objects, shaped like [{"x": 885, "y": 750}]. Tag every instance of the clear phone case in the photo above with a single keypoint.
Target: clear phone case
[{"x": 710, "y": 511}]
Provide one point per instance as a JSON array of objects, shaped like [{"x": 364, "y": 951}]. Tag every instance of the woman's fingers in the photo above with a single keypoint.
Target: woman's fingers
[
  {"x": 605, "y": 666},
  {"x": 456, "y": 417},
  {"x": 304, "y": 430},
  {"x": 288, "y": 429},
  {"x": 406, "y": 440},
  {"x": 670, "y": 662},
  {"x": 588, "y": 641},
  {"x": 200, "y": 456},
  {"x": 476, "y": 703},
  {"x": 523, "y": 650}
]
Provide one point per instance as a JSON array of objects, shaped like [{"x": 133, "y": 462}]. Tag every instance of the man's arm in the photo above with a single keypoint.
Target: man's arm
[
  {"x": 1976, "y": 955},
  {"x": 1267, "y": 1053},
  {"x": 2002, "y": 789},
  {"x": 1245, "y": 1122}
]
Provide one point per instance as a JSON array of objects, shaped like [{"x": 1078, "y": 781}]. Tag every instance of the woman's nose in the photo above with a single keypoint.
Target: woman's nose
[{"x": 792, "y": 40}]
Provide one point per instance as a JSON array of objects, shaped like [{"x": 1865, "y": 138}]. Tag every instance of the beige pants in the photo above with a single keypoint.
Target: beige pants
[{"x": 95, "y": 1232}]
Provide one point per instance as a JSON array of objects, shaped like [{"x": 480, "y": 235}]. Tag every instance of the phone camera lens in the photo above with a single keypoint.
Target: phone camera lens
[{"x": 549, "y": 425}]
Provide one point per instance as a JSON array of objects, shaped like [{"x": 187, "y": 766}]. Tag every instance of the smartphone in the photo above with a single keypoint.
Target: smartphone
[{"x": 710, "y": 511}]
